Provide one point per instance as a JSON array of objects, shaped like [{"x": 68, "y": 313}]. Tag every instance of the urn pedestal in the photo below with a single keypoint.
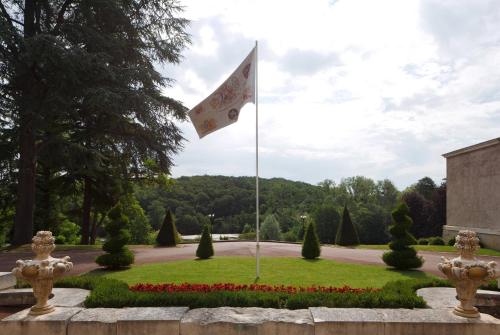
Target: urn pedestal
[
  {"x": 41, "y": 271},
  {"x": 467, "y": 273}
]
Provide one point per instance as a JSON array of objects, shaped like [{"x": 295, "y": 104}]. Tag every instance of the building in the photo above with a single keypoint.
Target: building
[{"x": 473, "y": 192}]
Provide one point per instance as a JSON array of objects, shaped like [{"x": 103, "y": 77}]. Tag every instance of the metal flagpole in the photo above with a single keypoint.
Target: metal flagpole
[{"x": 257, "y": 250}]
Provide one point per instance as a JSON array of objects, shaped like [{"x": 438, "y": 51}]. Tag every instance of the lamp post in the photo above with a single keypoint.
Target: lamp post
[
  {"x": 211, "y": 216},
  {"x": 303, "y": 218}
]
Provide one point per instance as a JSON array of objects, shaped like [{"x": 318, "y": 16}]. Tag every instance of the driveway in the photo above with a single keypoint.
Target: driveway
[{"x": 84, "y": 259}]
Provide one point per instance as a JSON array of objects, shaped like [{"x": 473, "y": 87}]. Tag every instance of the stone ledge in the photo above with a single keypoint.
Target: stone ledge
[
  {"x": 133, "y": 321},
  {"x": 361, "y": 321},
  {"x": 243, "y": 321},
  {"x": 7, "y": 280},
  {"x": 54, "y": 323}
]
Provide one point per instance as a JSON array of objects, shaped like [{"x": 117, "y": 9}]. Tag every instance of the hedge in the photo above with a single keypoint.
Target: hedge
[{"x": 113, "y": 293}]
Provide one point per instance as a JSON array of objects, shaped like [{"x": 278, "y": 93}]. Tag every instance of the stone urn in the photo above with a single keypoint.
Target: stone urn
[
  {"x": 467, "y": 273},
  {"x": 41, "y": 271}
]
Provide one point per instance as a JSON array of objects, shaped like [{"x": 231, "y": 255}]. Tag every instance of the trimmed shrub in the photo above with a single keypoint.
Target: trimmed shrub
[
  {"x": 118, "y": 255},
  {"x": 205, "y": 248},
  {"x": 402, "y": 256},
  {"x": 311, "y": 248},
  {"x": 451, "y": 242},
  {"x": 346, "y": 233},
  {"x": 167, "y": 236},
  {"x": 436, "y": 241},
  {"x": 423, "y": 241}
]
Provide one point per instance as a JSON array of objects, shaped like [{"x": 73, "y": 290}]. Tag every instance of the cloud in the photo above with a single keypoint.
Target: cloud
[{"x": 346, "y": 88}]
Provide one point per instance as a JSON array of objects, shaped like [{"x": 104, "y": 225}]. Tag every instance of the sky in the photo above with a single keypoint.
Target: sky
[{"x": 349, "y": 87}]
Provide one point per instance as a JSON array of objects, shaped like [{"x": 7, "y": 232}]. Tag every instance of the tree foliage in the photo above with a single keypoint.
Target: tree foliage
[
  {"x": 117, "y": 254},
  {"x": 402, "y": 256},
  {"x": 311, "y": 248},
  {"x": 346, "y": 234},
  {"x": 270, "y": 229},
  {"x": 80, "y": 95},
  {"x": 167, "y": 236},
  {"x": 205, "y": 248}
]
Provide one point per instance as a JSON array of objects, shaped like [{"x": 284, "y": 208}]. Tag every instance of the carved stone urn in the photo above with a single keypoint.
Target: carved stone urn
[
  {"x": 41, "y": 271},
  {"x": 467, "y": 273}
]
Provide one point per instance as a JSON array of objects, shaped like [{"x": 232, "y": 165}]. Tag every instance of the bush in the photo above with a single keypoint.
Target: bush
[
  {"x": 346, "y": 233},
  {"x": 402, "y": 256},
  {"x": 290, "y": 236},
  {"x": 205, "y": 248},
  {"x": 113, "y": 293},
  {"x": 423, "y": 241},
  {"x": 167, "y": 236},
  {"x": 311, "y": 248},
  {"x": 247, "y": 236},
  {"x": 436, "y": 241},
  {"x": 451, "y": 242},
  {"x": 118, "y": 255}
]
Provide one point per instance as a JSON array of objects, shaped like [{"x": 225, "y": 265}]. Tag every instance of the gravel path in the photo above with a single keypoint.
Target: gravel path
[{"x": 84, "y": 259}]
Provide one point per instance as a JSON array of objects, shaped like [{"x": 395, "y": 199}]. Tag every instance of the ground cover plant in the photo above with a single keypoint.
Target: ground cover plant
[{"x": 274, "y": 271}]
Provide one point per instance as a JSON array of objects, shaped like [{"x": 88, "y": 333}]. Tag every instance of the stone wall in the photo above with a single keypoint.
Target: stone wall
[
  {"x": 246, "y": 321},
  {"x": 473, "y": 192}
]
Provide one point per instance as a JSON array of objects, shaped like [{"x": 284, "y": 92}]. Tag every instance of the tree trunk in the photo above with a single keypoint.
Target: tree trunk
[
  {"x": 25, "y": 202},
  {"x": 23, "y": 222},
  {"x": 87, "y": 206}
]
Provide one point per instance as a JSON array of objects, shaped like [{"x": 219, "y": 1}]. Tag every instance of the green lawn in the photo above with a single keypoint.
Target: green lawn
[
  {"x": 276, "y": 271},
  {"x": 438, "y": 248}
]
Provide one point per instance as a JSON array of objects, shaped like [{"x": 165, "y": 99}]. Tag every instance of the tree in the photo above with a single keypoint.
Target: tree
[
  {"x": 402, "y": 256},
  {"x": 118, "y": 255},
  {"x": 205, "y": 248},
  {"x": 346, "y": 233},
  {"x": 167, "y": 236},
  {"x": 270, "y": 229},
  {"x": 426, "y": 187},
  {"x": 327, "y": 219},
  {"x": 80, "y": 76},
  {"x": 420, "y": 210},
  {"x": 311, "y": 248}
]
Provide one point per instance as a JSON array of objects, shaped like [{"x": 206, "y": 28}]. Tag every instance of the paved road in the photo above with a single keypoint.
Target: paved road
[{"x": 84, "y": 260}]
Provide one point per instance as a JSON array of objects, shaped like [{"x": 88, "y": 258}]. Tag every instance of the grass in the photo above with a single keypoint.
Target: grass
[
  {"x": 435, "y": 248},
  {"x": 274, "y": 271}
]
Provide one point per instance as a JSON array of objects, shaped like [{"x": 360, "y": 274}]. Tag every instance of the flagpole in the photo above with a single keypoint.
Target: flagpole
[{"x": 257, "y": 230}]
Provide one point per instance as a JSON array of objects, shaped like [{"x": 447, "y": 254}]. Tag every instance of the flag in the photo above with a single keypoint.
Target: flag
[{"x": 223, "y": 106}]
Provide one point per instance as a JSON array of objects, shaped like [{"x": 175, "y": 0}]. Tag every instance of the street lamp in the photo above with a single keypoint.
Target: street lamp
[
  {"x": 303, "y": 218},
  {"x": 211, "y": 216}
]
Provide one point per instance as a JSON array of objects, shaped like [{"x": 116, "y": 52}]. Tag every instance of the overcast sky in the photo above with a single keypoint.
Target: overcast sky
[{"x": 350, "y": 87}]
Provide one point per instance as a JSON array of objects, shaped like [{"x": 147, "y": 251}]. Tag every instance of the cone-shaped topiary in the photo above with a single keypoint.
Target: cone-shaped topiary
[
  {"x": 346, "y": 232},
  {"x": 118, "y": 255},
  {"x": 205, "y": 248},
  {"x": 311, "y": 248},
  {"x": 167, "y": 236},
  {"x": 402, "y": 256}
]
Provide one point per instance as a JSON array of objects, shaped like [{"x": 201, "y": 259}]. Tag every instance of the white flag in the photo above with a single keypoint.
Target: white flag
[{"x": 223, "y": 106}]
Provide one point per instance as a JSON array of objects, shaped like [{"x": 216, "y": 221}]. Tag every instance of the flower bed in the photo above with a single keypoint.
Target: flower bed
[{"x": 230, "y": 287}]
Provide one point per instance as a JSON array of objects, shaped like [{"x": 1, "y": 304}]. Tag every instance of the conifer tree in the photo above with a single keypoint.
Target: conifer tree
[
  {"x": 311, "y": 248},
  {"x": 167, "y": 236},
  {"x": 402, "y": 256},
  {"x": 118, "y": 255},
  {"x": 205, "y": 248},
  {"x": 346, "y": 232}
]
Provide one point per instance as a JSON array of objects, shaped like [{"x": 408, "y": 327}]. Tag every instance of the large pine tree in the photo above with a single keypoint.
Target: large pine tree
[{"x": 78, "y": 77}]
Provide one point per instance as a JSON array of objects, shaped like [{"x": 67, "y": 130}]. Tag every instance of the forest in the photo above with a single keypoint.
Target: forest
[{"x": 227, "y": 204}]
